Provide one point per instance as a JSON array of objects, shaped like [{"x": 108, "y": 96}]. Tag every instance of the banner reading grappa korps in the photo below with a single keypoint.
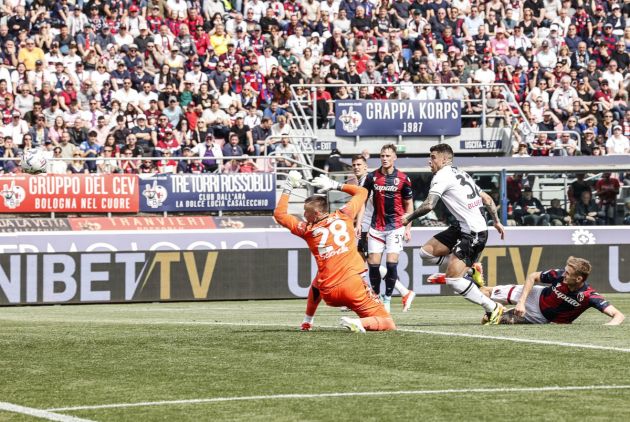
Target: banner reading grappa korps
[
  {"x": 69, "y": 193},
  {"x": 208, "y": 192},
  {"x": 397, "y": 118}
]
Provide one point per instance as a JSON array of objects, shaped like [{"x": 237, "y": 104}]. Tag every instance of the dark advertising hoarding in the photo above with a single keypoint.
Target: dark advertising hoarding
[{"x": 146, "y": 276}]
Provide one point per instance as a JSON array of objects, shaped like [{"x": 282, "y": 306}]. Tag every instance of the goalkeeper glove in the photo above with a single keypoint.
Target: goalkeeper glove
[
  {"x": 325, "y": 183},
  {"x": 294, "y": 180}
]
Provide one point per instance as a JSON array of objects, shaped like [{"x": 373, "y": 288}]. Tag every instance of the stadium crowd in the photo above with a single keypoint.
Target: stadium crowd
[{"x": 208, "y": 78}]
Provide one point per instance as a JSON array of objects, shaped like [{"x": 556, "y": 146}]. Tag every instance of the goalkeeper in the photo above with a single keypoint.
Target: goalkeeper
[
  {"x": 331, "y": 239},
  {"x": 564, "y": 298}
]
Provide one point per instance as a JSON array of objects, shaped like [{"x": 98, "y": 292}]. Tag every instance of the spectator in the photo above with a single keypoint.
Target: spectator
[
  {"x": 232, "y": 148},
  {"x": 210, "y": 152},
  {"x": 617, "y": 143},
  {"x": 286, "y": 154},
  {"x": 607, "y": 189},
  {"x": 529, "y": 211},
  {"x": 557, "y": 214},
  {"x": 587, "y": 212}
]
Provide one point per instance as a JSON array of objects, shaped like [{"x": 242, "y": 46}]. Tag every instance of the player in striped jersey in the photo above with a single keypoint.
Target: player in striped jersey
[
  {"x": 392, "y": 198},
  {"x": 464, "y": 242},
  {"x": 566, "y": 296},
  {"x": 364, "y": 219}
]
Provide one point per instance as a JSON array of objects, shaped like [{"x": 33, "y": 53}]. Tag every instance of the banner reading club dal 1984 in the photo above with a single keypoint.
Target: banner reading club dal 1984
[
  {"x": 69, "y": 193},
  {"x": 397, "y": 118}
]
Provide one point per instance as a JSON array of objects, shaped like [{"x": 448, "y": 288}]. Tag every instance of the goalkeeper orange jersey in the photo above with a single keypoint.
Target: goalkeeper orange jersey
[{"x": 331, "y": 240}]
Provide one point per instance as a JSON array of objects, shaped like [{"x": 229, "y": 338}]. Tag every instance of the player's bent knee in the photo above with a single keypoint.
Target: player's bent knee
[{"x": 430, "y": 259}]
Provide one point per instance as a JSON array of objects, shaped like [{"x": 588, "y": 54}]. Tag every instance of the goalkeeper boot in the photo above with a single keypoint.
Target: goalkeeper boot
[
  {"x": 387, "y": 303},
  {"x": 494, "y": 317},
  {"x": 437, "y": 278},
  {"x": 352, "y": 324},
  {"x": 476, "y": 274},
  {"x": 306, "y": 326},
  {"x": 407, "y": 299}
]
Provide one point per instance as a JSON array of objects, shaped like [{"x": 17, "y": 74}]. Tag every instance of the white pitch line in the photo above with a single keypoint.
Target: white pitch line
[
  {"x": 346, "y": 394},
  {"x": 39, "y": 413},
  {"x": 405, "y": 330},
  {"x": 518, "y": 340}
]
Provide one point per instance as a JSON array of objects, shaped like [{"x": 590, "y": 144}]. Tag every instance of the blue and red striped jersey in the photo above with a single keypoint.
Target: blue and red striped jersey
[
  {"x": 560, "y": 305},
  {"x": 388, "y": 190}
]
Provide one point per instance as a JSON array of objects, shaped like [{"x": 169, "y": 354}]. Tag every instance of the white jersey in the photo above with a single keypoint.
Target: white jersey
[
  {"x": 460, "y": 194},
  {"x": 369, "y": 208}
]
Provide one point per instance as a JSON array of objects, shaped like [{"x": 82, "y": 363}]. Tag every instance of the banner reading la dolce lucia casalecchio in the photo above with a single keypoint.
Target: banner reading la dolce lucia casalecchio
[{"x": 69, "y": 193}]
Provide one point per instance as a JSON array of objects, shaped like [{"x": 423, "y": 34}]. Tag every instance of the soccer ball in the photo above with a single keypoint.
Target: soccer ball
[{"x": 34, "y": 161}]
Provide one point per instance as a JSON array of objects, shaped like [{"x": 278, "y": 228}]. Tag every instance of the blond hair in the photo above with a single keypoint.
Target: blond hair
[{"x": 581, "y": 266}]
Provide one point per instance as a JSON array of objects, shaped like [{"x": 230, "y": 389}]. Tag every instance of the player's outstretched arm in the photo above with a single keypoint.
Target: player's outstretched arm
[
  {"x": 615, "y": 314},
  {"x": 294, "y": 180},
  {"x": 354, "y": 206},
  {"x": 424, "y": 208},
  {"x": 492, "y": 210},
  {"x": 527, "y": 288}
]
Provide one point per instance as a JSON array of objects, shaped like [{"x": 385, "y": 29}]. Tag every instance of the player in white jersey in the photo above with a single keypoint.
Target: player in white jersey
[
  {"x": 462, "y": 244},
  {"x": 364, "y": 219}
]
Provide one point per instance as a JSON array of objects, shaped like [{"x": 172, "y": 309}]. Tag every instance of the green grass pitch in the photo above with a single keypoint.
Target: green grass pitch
[{"x": 73, "y": 360}]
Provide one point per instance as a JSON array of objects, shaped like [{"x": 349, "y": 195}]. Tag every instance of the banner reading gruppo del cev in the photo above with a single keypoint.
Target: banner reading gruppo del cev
[
  {"x": 208, "y": 192},
  {"x": 397, "y": 118},
  {"x": 97, "y": 193}
]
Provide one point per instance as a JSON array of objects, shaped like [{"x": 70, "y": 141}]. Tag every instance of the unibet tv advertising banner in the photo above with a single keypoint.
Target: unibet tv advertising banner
[
  {"x": 69, "y": 193},
  {"x": 397, "y": 118},
  {"x": 227, "y": 274},
  {"x": 208, "y": 192}
]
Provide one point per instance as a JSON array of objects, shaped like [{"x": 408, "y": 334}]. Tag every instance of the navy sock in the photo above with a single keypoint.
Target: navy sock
[
  {"x": 375, "y": 277},
  {"x": 391, "y": 277}
]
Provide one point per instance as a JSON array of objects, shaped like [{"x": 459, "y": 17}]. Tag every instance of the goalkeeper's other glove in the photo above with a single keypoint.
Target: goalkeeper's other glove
[
  {"x": 325, "y": 183},
  {"x": 294, "y": 180}
]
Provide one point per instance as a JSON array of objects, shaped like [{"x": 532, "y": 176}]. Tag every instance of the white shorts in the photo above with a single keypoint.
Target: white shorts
[
  {"x": 388, "y": 241},
  {"x": 510, "y": 294}
]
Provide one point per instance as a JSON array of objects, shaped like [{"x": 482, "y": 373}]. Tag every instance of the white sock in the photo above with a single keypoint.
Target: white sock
[
  {"x": 308, "y": 319},
  {"x": 402, "y": 289},
  {"x": 429, "y": 259},
  {"x": 471, "y": 292},
  {"x": 387, "y": 298}
]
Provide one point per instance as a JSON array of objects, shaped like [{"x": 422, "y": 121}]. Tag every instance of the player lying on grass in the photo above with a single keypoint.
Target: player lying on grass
[
  {"x": 565, "y": 298},
  {"x": 331, "y": 239}
]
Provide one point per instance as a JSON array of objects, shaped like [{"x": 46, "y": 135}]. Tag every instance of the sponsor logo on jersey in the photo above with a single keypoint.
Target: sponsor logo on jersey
[
  {"x": 566, "y": 298},
  {"x": 335, "y": 252},
  {"x": 475, "y": 204},
  {"x": 385, "y": 188}
]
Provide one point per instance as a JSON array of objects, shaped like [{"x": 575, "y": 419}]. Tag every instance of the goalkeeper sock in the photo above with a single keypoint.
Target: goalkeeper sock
[
  {"x": 312, "y": 301},
  {"x": 471, "y": 292}
]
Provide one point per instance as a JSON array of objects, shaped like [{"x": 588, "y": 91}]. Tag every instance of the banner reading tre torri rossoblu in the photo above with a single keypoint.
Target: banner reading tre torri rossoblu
[
  {"x": 208, "y": 192},
  {"x": 397, "y": 118}
]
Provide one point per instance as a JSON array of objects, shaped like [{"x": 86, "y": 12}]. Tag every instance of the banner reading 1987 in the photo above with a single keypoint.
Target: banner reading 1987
[{"x": 398, "y": 118}]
